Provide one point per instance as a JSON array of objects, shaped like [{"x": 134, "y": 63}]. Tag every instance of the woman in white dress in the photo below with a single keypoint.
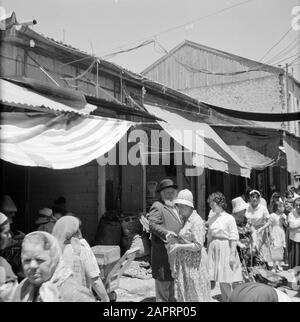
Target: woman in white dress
[{"x": 223, "y": 260}]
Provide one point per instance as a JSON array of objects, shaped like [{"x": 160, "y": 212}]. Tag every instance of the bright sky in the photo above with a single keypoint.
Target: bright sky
[{"x": 104, "y": 26}]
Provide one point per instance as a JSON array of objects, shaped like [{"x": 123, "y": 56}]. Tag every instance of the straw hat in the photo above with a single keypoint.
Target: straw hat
[
  {"x": 185, "y": 197},
  {"x": 238, "y": 204},
  {"x": 47, "y": 212},
  {"x": 7, "y": 205},
  {"x": 166, "y": 183}
]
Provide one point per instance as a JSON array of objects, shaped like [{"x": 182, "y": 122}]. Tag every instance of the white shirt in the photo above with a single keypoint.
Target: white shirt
[
  {"x": 223, "y": 226},
  {"x": 258, "y": 216},
  {"x": 294, "y": 226}
]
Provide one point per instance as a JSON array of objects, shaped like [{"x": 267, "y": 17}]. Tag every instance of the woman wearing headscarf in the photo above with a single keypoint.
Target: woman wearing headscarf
[
  {"x": 48, "y": 279},
  {"x": 223, "y": 260},
  {"x": 190, "y": 258},
  {"x": 78, "y": 255},
  {"x": 8, "y": 280},
  {"x": 258, "y": 216}
]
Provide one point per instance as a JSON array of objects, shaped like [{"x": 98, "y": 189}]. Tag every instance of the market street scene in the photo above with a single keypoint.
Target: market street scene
[{"x": 150, "y": 151}]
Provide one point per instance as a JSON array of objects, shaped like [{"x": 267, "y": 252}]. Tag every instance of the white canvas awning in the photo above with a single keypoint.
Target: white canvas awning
[
  {"x": 216, "y": 154},
  {"x": 292, "y": 149},
  {"x": 57, "y": 142}
]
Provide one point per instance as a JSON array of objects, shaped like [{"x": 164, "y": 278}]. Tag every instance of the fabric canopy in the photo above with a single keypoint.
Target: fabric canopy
[
  {"x": 20, "y": 96},
  {"x": 292, "y": 150},
  {"x": 57, "y": 142},
  {"x": 257, "y": 148},
  {"x": 216, "y": 154},
  {"x": 254, "y": 116}
]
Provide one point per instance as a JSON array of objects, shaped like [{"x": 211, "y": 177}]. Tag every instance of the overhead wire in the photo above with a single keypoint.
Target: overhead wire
[
  {"x": 295, "y": 60},
  {"x": 281, "y": 38},
  {"x": 288, "y": 49},
  {"x": 286, "y": 58},
  {"x": 182, "y": 25},
  {"x": 205, "y": 71},
  {"x": 145, "y": 43}
]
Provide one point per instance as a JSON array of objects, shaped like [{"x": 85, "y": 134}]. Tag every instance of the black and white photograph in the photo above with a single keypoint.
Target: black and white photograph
[{"x": 150, "y": 153}]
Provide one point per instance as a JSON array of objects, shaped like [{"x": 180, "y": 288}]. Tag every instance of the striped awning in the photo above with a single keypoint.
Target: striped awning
[
  {"x": 199, "y": 138},
  {"x": 58, "y": 142}
]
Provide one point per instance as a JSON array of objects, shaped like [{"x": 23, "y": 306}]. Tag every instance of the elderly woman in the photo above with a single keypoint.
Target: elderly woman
[
  {"x": 8, "y": 280},
  {"x": 47, "y": 277},
  {"x": 294, "y": 235},
  {"x": 191, "y": 272},
  {"x": 223, "y": 260},
  {"x": 78, "y": 255}
]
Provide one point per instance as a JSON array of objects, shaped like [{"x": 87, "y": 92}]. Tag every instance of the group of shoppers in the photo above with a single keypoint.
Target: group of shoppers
[
  {"x": 185, "y": 270},
  {"x": 57, "y": 267}
]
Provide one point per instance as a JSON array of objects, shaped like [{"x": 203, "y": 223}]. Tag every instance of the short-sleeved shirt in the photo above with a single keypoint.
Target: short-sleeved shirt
[
  {"x": 223, "y": 226},
  {"x": 294, "y": 226},
  {"x": 258, "y": 216},
  {"x": 82, "y": 261}
]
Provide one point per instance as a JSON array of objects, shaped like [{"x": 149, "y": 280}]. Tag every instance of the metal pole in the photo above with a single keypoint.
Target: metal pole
[
  {"x": 97, "y": 78},
  {"x": 287, "y": 92}
]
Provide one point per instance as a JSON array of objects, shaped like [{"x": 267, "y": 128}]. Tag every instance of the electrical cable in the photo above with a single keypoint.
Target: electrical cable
[
  {"x": 145, "y": 43},
  {"x": 284, "y": 51},
  {"x": 82, "y": 74},
  {"x": 285, "y": 34},
  {"x": 205, "y": 71},
  {"x": 183, "y": 25},
  {"x": 286, "y": 58}
]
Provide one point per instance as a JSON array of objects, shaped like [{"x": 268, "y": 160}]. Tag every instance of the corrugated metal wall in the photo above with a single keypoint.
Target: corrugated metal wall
[{"x": 171, "y": 73}]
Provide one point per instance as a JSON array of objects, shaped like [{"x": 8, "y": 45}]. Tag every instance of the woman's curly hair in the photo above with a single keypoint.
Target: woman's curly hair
[{"x": 219, "y": 199}]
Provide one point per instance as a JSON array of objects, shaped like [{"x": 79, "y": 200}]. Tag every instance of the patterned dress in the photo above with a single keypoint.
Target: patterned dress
[
  {"x": 249, "y": 256},
  {"x": 191, "y": 272}
]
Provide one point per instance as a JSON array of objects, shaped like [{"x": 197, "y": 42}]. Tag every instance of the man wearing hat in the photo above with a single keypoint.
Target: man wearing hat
[
  {"x": 164, "y": 222},
  {"x": 46, "y": 220}
]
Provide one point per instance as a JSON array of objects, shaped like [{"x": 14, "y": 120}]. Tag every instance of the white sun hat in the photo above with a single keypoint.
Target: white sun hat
[
  {"x": 238, "y": 204},
  {"x": 185, "y": 197}
]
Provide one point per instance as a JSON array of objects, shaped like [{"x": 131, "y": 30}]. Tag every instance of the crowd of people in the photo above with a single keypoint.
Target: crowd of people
[
  {"x": 189, "y": 255},
  {"x": 54, "y": 263}
]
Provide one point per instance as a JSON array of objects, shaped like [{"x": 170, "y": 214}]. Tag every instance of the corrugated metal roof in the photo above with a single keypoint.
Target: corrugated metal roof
[{"x": 23, "y": 97}]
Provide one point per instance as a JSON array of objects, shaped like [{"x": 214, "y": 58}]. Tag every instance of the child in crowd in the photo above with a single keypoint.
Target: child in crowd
[{"x": 276, "y": 223}]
